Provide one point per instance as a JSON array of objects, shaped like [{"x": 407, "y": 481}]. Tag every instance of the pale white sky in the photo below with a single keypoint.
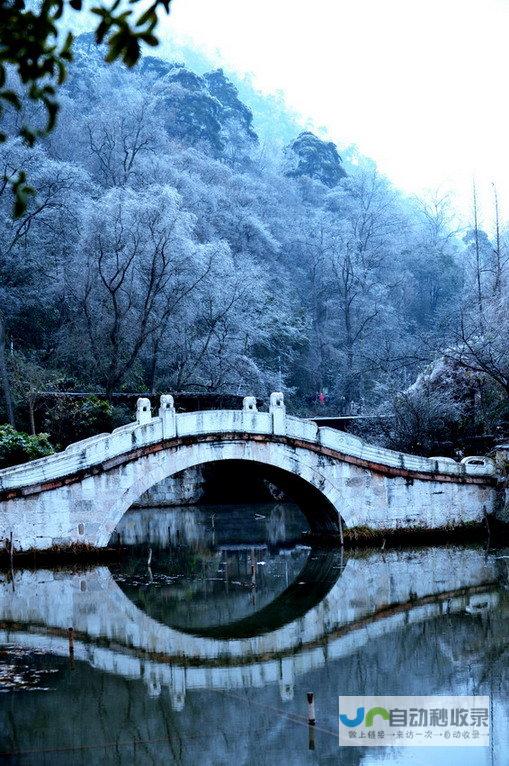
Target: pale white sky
[{"x": 420, "y": 86}]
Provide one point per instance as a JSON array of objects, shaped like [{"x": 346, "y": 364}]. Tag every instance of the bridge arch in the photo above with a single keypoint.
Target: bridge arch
[{"x": 145, "y": 472}]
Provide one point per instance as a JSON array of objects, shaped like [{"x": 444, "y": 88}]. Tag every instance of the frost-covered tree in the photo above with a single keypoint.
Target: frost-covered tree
[
  {"x": 128, "y": 278},
  {"x": 165, "y": 247}
]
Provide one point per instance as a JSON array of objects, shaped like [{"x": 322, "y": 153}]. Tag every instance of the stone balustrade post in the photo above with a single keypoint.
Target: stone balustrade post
[
  {"x": 249, "y": 404},
  {"x": 277, "y": 410},
  {"x": 168, "y": 416},
  {"x": 143, "y": 411}
]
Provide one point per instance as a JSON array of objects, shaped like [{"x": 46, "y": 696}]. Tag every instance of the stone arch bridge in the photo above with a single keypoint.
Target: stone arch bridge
[{"x": 79, "y": 495}]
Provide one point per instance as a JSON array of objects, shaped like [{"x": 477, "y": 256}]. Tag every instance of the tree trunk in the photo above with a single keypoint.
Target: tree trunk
[
  {"x": 152, "y": 371},
  {"x": 478, "y": 260},
  {"x": 350, "y": 383},
  {"x": 4, "y": 374},
  {"x": 31, "y": 407},
  {"x": 498, "y": 264}
]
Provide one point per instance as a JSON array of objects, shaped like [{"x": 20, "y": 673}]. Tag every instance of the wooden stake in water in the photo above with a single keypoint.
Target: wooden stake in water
[
  {"x": 71, "y": 642},
  {"x": 311, "y": 737},
  {"x": 10, "y": 550},
  {"x": 311, "y": 709},
  {"x": 149, "y": 569}
]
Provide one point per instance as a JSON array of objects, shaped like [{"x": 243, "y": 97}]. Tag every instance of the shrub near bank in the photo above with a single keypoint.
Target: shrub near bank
[
  {"x": 70, "y": 420},
  {"x": 17, "y": 447}
]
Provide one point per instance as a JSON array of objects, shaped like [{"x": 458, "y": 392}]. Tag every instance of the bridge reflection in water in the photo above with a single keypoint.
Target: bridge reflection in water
[{"x": 206, "y": 654}]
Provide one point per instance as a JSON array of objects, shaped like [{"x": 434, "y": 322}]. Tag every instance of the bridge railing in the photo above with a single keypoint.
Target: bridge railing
[{"x": 147, "y": 430}]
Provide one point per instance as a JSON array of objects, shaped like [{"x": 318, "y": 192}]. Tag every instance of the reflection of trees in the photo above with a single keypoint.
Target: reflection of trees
[
  {"x": 191, "y": 589},
  {"x": 196, "y": 576},
  {"x": 230, "y": 593}
]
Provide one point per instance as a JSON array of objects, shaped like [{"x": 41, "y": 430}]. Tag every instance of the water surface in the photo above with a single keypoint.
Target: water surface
[{"x": 200, "y": 646}]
